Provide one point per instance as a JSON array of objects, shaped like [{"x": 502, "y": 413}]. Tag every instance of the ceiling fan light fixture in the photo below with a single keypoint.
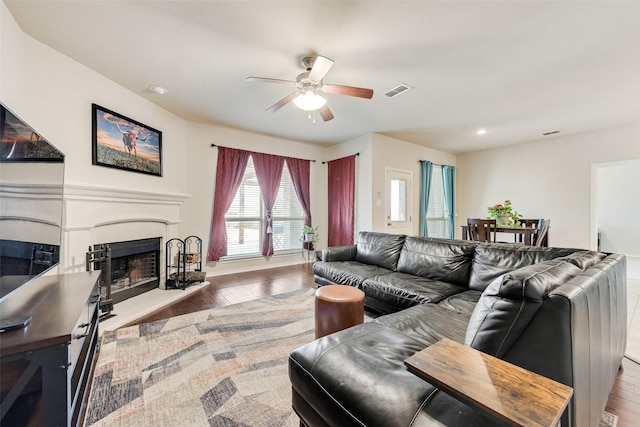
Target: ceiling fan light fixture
[{"x": 309, "y": 101}]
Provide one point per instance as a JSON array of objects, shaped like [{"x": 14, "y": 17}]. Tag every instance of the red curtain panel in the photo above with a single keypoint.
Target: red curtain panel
[
  {"x": 300, "y": 171},
  {"x": 268, "y": 171},
  {"x": 229, "y": 173},
  {"x": 341, "y": 191}
]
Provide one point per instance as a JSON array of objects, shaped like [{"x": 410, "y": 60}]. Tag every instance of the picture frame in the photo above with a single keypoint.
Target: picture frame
[{"x": 123, "y": 143}]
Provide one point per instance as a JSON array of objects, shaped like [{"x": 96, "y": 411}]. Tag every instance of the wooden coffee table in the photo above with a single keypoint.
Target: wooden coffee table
[{"x": 508, "y": 392}]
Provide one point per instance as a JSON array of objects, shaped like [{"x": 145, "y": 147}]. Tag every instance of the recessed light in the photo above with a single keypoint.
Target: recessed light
[
  {"x": 158, "y": 89},
  {"x": 481, "y": 131}
]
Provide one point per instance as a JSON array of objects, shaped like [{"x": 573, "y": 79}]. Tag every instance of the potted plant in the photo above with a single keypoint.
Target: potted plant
[
  {"x": 309, "y": 240},
  {"x": 504, "y": 214},
  {"x": 309, "y": 234}
]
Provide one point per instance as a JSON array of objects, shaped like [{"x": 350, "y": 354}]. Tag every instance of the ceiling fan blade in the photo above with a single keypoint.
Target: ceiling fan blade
[
  {"x": 325, "y": 113},
  {"x": 348, "y": 90},
  {"x": 321, "y": 67},
  {"x": 268, "y": 80},
  {"x": 284, "y": 101}
]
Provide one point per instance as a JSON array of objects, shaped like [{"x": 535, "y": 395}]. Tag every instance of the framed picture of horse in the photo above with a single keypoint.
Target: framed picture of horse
[{"x": 123, "y": 143}]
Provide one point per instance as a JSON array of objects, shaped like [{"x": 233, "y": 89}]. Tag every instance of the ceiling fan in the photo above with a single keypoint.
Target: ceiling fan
[{"x": 308, "y": 85}]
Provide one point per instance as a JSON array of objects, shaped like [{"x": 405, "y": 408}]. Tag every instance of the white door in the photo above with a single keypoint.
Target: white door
[{"x": 398, "y": 209}]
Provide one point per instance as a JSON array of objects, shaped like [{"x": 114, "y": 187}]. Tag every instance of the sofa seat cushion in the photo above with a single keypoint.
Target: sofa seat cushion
[
  {"x": 493, "y": 260},
  {"x": 351, "y": 273},
  {"x": 510, "y": 303},
  {"x": 401, "y": 290},
  {"x": 464, "y": 302},
  {"x": 357, "y": 376},
  {"x": 438, "y": 259}
]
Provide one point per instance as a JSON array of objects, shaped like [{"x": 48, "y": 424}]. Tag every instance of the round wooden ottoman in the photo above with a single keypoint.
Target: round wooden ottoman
[{"x": 338, "y": 307}]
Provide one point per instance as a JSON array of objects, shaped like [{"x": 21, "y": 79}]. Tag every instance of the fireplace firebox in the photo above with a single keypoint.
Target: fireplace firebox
[{"x": 129, "y": 268}]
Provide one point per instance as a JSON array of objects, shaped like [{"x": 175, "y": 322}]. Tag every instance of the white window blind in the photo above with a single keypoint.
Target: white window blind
[
  {"x": 246, "y": 216},
  {"x": 436, "y": 220}
]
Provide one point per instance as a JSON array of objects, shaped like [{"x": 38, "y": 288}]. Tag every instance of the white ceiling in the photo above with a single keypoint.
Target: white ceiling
[{"x": 519, "y": 69}]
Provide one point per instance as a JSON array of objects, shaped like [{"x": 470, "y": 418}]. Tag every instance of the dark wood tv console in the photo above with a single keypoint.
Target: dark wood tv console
[{"x": 59, "y": 344}]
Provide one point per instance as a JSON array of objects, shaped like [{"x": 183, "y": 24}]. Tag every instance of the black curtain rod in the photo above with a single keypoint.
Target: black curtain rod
[
  {"x": 357, "y": 154},
  {"x": 437, "y": 164},
  {"x": 214, "y": 145}
]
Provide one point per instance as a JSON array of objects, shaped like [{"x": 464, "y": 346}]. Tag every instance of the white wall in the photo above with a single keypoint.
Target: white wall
[
  {"x": 549, "y": 178},
  {"x": 11, "y": 58},
  {"x": 56, "y": 102},
  {"x": 617, "y": 209},
  {"x": 394, "y": 153},
  {"x": 53, "y": 94}
]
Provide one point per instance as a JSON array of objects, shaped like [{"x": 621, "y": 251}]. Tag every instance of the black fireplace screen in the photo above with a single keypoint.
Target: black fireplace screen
[{"x": 128, "y": 269}]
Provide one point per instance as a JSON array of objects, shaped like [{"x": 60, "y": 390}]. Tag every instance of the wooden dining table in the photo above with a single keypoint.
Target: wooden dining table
[{"x": 527, "y": 233}]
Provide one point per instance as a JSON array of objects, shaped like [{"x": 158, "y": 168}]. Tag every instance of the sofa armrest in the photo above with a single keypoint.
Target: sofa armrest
[{"x": 339, "y": 253}]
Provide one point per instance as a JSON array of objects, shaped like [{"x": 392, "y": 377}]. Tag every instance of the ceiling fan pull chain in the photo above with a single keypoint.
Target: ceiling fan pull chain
[{"x": 314, "y": 116}]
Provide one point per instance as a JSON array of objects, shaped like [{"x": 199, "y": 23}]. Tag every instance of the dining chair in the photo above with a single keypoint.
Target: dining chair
[
  {"x": 481, "y": 230},
  {"x": 541, "y": 233},
  {"x": 525, "y": 223},
  {"x": 529, "y": 223}
]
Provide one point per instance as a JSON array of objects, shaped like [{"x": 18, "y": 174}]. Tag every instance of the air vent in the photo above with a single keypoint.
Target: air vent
[
  {"x": 551, "y": 133},
  {"x": 401, "y": 88}
]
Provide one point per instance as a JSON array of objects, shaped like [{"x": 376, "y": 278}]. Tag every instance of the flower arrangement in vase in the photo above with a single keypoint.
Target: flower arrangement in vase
[{"x": 504, "y": 214}]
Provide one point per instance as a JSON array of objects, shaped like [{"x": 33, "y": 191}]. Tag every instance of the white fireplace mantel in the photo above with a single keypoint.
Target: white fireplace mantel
[
  {"x": 85, "y": 192},
  {"x": 94, "y": 215}
]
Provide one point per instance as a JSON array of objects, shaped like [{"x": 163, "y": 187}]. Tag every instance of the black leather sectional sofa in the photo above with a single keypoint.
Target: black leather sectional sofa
[{"x": 558, "y": 312}]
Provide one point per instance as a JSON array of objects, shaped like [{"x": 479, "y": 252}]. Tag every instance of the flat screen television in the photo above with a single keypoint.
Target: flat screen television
[{"x": 31, "y": 202}]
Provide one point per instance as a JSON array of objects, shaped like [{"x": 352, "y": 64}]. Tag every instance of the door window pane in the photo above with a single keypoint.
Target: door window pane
[{"x": 398, "y": 194}]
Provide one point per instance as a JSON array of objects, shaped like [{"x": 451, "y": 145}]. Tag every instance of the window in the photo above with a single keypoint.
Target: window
[
  {"x": 398, "y": 197},
  {"x": 436, "y": 219},
  {"x": 245, "y": 217}
]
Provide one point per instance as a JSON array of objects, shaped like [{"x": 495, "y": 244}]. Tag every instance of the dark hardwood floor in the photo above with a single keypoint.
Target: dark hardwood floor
[
  {"x": 235, "y": 288},
  {"x": 624, "y": 399}
]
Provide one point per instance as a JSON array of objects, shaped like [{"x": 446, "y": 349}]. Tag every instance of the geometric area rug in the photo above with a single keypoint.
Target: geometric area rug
[{"x": 224, "y": 366}]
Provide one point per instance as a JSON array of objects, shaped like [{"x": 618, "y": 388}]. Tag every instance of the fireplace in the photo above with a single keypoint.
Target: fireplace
[{"x": 132, "y": 268}]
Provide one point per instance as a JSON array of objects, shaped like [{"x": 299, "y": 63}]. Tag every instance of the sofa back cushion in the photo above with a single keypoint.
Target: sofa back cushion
[
  {"x": 584, "y": 259},
  {"x": 437, "y": 259},
  {"x": 493, "y": 260},
  {"x": 379, "y": 249},
  {"x": 511, "y": 301}
]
